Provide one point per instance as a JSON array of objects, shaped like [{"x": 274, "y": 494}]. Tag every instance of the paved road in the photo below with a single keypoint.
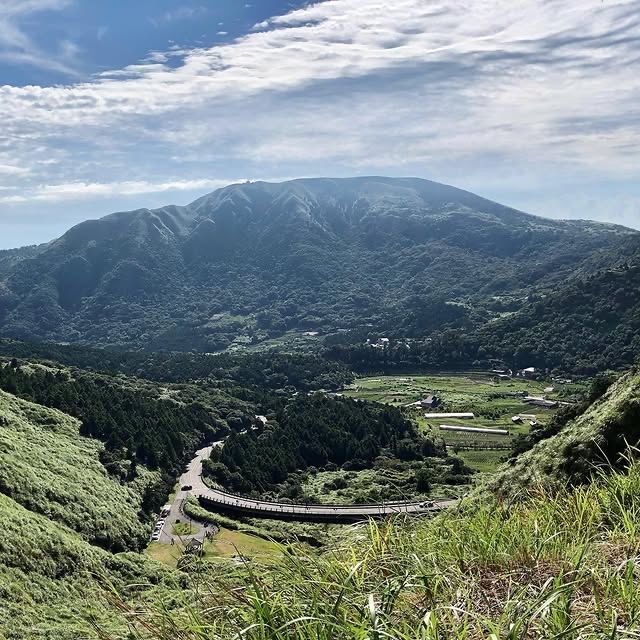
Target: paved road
[
  {"x": 191, "y": 477},
  {"x": 260, "y": 508}
]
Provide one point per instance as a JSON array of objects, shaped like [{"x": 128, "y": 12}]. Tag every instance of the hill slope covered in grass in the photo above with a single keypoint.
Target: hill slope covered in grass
[
  {"x": 48, "y": 468},
  {"x": 601, "y": 436},
  {"x": 551, "y": 552},
  {"x": 57, "y": 503},
  {"x": 547, "y": 566}
]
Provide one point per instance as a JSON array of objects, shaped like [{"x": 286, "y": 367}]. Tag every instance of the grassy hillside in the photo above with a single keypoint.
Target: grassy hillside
[
  {"x": 559, "y": 562},
  {"x": 46, "y": 467},
  {"x": 56, "y": 499},
  {"x": 550, "y": 566},
  {"x": 600, "y": 436}
]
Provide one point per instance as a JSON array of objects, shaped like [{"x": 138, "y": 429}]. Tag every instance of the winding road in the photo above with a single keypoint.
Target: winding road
[{"x": 218, "y": 500}]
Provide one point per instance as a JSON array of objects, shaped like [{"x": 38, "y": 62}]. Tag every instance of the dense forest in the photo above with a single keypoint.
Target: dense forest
[
  {"x": 588, "y": 326},
  {"x": 316, "y": 431},
  {"x": 268, "y": 370},
  {"x": 136, "y": 424}
]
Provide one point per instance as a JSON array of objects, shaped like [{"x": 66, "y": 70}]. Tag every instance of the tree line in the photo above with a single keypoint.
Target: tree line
[{"x": 316, "y": 431}]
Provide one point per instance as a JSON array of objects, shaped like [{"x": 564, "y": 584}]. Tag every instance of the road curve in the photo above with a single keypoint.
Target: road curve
[{"x": 264, "y": 509}]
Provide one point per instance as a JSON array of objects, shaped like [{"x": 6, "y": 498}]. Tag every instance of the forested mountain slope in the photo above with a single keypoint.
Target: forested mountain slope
[
  {"x": 257, "y": 259},
  {"x": 588, "y": 325}
]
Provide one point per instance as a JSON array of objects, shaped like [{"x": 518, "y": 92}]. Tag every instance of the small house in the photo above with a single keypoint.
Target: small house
[
  {"x": 195, "y": 545},
  {"x": 430, "y": 402}
]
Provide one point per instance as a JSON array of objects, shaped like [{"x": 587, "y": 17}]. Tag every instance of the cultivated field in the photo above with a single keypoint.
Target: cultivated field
[{"x": 493, "y": 402}]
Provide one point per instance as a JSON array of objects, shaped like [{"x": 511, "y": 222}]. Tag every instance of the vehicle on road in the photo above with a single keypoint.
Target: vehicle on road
[
  {"x": 187, "y": 487},
  {"x": 428, "y": 504}
]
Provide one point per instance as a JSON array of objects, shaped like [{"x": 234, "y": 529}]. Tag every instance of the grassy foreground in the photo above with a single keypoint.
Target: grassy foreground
[{"x": 548, "y": 566}]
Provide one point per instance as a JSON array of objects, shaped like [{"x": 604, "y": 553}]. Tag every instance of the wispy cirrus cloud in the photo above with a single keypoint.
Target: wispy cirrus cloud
[
  {"x": 511, "y": 95},
  {"x": 180, "y": 13},
  {"x": 17, "y": 47},
  {"x": 84, "y": 190}
]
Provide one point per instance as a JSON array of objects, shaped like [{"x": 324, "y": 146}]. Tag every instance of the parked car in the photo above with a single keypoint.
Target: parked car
[
  {"x": 155, "y": 536},
  {"x": 187, "y": 487}
]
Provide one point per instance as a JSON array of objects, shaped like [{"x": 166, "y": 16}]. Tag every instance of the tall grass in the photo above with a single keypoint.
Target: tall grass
[{"x": 549, "y": 566}]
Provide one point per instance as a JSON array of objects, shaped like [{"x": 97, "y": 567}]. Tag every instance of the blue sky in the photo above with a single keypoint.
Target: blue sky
[{"x": 117, "y": 105}]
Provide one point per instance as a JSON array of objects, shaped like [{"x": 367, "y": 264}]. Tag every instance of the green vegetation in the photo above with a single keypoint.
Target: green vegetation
[
  {"x": 588, "y": 326},
  {"x": 402, "y": 256},
  {"x": 539, "y": 550},
  {"x": 285, "y": 532},
  {"x": 231, "y": 544},
  {"x": 388, "y": 479},
  {"x": 321, "y": 432},
  {"x": 599, "y": 436},
  {"x": 56, "y": 503},
  {"x": 484, "y": 461},
  {"x": 184, "y": 528},
  {"x": 493, "y": 401},
  {"x": 548, "y": 566},
  {"x": 272, "y": 370},
  {"x": 140, "y": 425},
  {"x": 48, "y": 468}
]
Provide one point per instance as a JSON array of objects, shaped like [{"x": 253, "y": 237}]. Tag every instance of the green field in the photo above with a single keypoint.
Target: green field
[
  {"x": 229, "y": 544},
  {"x": 493, "y": 402}
]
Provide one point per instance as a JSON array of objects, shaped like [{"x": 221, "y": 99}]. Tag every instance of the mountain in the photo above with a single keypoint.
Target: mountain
[
  {"x": 588, "y": 325},
  {"x": 252, "y": 261}
]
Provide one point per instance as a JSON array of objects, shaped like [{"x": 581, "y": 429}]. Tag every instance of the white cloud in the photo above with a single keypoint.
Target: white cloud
[
  {"x": 83, "y": 190},
  {"x": 17, "y": 47},
  {"x": 535, "y": 90},
  {"x": 11, "y": 170},
  {"x": 181, "y": 13}
]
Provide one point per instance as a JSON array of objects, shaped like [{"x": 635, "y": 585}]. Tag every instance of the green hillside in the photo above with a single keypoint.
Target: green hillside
[
  {"x": 599, "y": 437},
  {"x": 56, "y": 503},
  {"x": 546, "y": 567},
  {"x": 49, "y": 469},
  {"x": 588, "y": 325},
  {"x": 560, "y": 561},
  {"x": 255, "y": 261}
]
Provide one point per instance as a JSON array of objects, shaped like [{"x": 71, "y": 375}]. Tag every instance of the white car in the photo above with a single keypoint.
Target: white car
[
  {"x": 426, "y": 505},
  {"x": 155, "y": 536}
]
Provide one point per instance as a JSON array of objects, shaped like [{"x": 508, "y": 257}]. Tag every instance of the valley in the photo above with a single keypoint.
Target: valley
[
  {"x": 332, "y": 385},
  {"x": 491, "y": 402},
  {"x": 319, "y": 320}
]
